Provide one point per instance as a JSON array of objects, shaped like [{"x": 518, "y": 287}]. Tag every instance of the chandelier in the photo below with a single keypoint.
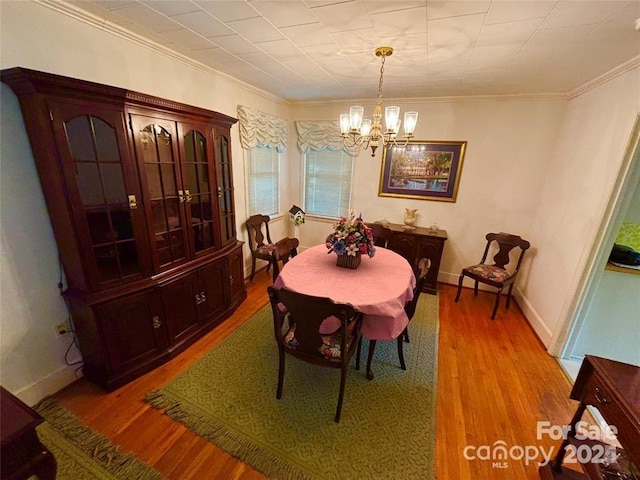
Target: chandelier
[{"x": 356, "y": 131}]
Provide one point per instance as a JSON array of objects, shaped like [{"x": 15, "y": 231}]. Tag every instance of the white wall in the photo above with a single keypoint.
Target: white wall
[
  {"x": 34, "y": 36},
  {"x": 580, "y": 179}
]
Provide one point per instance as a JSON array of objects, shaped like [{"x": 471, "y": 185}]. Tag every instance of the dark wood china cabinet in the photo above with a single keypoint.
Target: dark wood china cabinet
[{"x": 140, "y": 194}]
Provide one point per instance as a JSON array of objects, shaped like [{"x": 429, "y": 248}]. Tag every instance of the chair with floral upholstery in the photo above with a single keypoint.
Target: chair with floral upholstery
[
  {"x": 297, "y": 319},
  {"x": 260, "y": 243},
  {"x": 496, "y": 275}
]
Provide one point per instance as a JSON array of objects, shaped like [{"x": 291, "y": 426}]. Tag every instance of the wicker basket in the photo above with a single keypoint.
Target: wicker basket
[{"x": 348, "y": 261}]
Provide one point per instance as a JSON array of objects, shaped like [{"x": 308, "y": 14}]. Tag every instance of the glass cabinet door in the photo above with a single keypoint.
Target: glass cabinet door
[
  {"x": 225, "y": 186},
  {"x": 102, "y": 190},
  {"x": 158, "y": 161},
  {"x": 199, "y": 185}
]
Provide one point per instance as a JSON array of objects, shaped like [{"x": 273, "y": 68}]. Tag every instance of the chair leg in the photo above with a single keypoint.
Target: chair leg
[
  {"x": 401, "y": 353},
  {"x": 280, "y": 372},
  {"x": 253, "y": 268},
  {"x": 509, "y": 296},
  {"x": 358, "y": 353},
  {"x": 372, "y": 347},
  {"x": 475, "y": 289},
  {"x": 495, "y": 306},
  {"x": 406, "y": 334},
  {"x": 459, "y": 288},
  {"x": 276, "y": 270},
  {"x": 343, "y": 382}
]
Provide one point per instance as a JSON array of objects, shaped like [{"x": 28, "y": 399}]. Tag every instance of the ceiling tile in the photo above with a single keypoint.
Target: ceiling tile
[
  {"x": 382, "y": 6},
  {"x": 228, "y": 10},
  {"x": 280, "y": 48},
  {"x": 172, "y": 7},
  {"x": 442, "y": 9},
  {"x": 510, "y": 11},
  {"x": 343, "y": 17},
  {"x": 401, "y": 22},
  {"x": 148, "y": 18},
  {"x": 570, "y": 13},
  {"x": 203, "y": 23},
  {"x": 187, "y": 38},
  {"x": 509, "y": 32},
  {"x": 285, "y": 14},
  {"x": 235, "y": 44},
  {"x": 461, "y": 31},
  {"x": 255, "y": 29},
  {"x": 307, "y": 35}
]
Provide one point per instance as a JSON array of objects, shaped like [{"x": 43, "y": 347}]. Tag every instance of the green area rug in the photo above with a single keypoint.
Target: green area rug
[
  {"x": 83, "y": 454},
  {"x": 387, "y": 430}
]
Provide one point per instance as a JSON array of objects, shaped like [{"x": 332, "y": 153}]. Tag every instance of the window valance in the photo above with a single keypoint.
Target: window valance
[
  {"x": 318, "y": 135},
  {"x": 258, "y": 127}
]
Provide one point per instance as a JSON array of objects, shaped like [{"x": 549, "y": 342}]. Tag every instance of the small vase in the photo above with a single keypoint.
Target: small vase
[
  {"x": 410, "y": 217},
  {"x": 348, "y": 261}
]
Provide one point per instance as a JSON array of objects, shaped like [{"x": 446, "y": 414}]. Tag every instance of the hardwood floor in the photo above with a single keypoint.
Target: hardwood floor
[{"x": 495, "y": 381}]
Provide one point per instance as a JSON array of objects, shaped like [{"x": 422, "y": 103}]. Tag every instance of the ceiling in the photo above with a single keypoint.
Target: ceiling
[{"x": 305, "y": 50}]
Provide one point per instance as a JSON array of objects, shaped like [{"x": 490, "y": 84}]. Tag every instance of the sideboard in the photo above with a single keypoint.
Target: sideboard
[{"x": 416, "y": 243}]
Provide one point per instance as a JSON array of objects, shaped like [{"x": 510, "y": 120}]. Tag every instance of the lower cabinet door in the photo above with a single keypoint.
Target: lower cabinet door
[
  {"x": 134, "y": 331},
  {"x": 236, "y": 276},
  {"x": 181, "y": 299},
  {"x": 214, "y": 292},
  {"x": 405, "y": 245}
]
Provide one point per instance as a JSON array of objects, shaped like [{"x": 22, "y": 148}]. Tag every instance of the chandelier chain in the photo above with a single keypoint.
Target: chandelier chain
[{"x": 381, "y": 78}]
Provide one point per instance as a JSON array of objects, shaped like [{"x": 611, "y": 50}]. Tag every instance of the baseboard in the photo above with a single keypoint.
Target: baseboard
[{"x": 49, "y": 385}]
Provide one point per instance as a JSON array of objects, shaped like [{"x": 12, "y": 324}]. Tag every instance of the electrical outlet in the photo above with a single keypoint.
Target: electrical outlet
[{"x": 62, "y": 328}]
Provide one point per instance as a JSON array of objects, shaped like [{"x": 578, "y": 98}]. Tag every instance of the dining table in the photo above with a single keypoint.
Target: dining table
[{"x": 379, "y": 287}]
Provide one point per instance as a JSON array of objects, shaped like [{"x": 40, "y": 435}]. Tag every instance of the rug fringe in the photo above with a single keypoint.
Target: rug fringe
[
  {"x": 110, "y": 456},
  {"x": 218, "y": 434}
]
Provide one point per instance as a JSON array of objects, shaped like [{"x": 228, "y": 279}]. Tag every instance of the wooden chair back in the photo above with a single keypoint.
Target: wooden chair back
[
  {"x": 307, "y": 313},
  {"x": 255, "y": 225},
  {"x": 381, "y": 235},
  {"x": 506, "y": 243},
  {"x": 424, "y": 264}
]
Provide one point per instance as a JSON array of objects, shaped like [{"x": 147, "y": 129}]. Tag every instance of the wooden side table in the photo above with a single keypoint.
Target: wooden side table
[
  {"x": 614, "y": 389},
  {"x": 22, "y": 454}
]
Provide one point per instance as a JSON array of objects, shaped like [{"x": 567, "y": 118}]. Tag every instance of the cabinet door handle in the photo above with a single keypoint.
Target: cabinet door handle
[
  {"x": 203, "y": 297},
  {"x": 157, "y": 323},
  {"x": 219, "y": 192},
  {"x": 600, "y": 397},
  {"x": 187, "y": 196},
  {"x": 231, "y": 279},
  {"x": 198, "y": 299},
  {"x": 133, "y": 203},
  {"x": 181, "y": 196}
]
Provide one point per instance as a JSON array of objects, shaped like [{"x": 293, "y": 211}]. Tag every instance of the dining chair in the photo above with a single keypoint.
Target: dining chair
[
  {"x": 286, "y": 249},
  {"x": 260, "y": 243},
  {"x": 381, "y": 235},
  {"x": 496, "y": 275},
  {"x": 424, "y": 264},
  {"x": 297, "y": 319}
]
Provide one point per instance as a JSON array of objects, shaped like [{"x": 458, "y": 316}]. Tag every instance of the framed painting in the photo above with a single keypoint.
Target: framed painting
[{"x": 424, "y": 170}]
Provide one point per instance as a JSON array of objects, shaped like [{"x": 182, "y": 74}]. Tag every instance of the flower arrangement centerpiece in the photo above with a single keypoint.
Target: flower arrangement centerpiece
[{"x": 350, "y": 240}]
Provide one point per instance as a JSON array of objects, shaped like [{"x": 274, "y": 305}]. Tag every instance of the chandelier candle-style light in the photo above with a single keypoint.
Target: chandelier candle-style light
[{"x": 357, "y": 131}]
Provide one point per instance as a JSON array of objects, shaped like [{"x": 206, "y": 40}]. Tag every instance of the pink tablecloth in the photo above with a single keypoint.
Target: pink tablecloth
[{"x": 379, "y": 287}]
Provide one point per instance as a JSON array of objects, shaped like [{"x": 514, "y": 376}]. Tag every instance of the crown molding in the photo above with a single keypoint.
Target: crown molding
[
  {"x": 605, "y": 77},
  {"x": 70, "y": 10},
  {"x": 424, "y": 100}
]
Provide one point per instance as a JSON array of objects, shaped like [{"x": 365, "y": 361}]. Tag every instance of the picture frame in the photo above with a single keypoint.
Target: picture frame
[{"x": 423, "y": 169}]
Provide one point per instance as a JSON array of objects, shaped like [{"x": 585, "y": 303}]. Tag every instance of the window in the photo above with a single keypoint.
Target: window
[
  {"x": 327, "y": 182},
  {"x": 263, "y": 180}
]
